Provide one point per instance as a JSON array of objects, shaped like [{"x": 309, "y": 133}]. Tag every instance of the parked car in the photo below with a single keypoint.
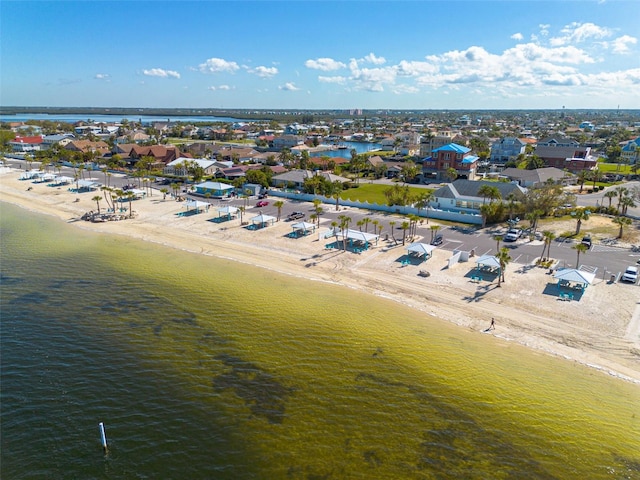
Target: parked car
[
  {"x": 437, "y": 240},
  {"x": 295, "y": 216},
  {"x": 586, "y": 240},
  {"x": 630, "y": 275},
  {"x": 262, "y": 203},
  {"x": 512, "y": 235}
]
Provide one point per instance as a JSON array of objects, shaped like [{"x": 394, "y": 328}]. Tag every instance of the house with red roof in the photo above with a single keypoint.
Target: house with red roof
[{"x": 26, "y": 144}]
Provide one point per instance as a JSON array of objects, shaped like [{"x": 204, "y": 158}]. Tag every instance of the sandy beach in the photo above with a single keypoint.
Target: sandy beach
[{"x": 601, "y": 330}]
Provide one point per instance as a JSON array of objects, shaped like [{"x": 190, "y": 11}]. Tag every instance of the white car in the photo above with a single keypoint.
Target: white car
[
  {"x": 630, "y": 275},
  {"x": 512, "y": 235}
]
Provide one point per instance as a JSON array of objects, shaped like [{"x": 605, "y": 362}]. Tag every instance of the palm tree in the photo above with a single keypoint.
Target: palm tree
[
  {"x": 366, "y": 221},
  {"x": 97, "y": 199},
  {"x": 404, "y": 226},
  {"x": 336, "y": 190},
  {"x": 622, "y": 222},
  {"x": 278, "y": 205},
  {"x": 498, "y": 239},
  {"x": 434, "y": 229},
  {"x": 164, "y": 191},
  {"x": 610, "y": 195},
  {"x": 579, "y": 248},
  {"x": 241, "y": 209},
  {"x": 548, "y": 238},
  {"x": 621, "y": 192},
  {"x": 485, "y": 191},
  {"x": 451, "y": 174},
  {"x": 392, "y": 224},
  {"x": 424, "y": 200},
  {"x": 344, "y": 226},
  {"x": 580, "y": 215},
  {"x": 130, "y": 196},
  {"x": 504, "y": 258},
  {"x": 626, "y": 202},
  {"x": 375, "y": 224}
]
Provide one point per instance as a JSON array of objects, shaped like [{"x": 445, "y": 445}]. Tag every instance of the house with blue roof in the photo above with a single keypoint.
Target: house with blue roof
[
  {"x": 631, "y": 152},
  {"x": 214, "y": 189},
  {"x": 452, "y": 155}
]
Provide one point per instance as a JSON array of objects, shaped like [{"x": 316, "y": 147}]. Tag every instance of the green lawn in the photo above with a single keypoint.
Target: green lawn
[
  {"x": 372, "y": 193},
  {"x": 620, "y": 168}
]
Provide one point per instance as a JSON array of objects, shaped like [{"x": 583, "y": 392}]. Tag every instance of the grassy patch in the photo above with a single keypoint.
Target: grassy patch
[
  {"x": 372, "y": 193},
  {"x": 620, "y": 168}
]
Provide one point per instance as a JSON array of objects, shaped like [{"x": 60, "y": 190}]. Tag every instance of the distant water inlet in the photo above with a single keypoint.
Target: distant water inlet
[{"x": 202, "y": 368}]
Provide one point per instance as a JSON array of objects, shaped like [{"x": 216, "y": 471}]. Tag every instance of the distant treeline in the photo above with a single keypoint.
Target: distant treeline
[{"x": 309, "y": 115}]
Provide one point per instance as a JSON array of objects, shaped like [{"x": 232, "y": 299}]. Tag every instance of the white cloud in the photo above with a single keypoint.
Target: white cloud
[
  {"x": 324, "y": 64},
  {"x": 217, "y": 65},
  {"x": 517, "y": 36},
  {"x": 264, "y": 72},
  {"x": 102, "y": 76},
  {"x": 220, "y": 87},
  {"x": 289, "y": 86},
  {"x": 371, "y": 58},
  {"x": 159, "y": 72},
  {"x": 401, "y": 89},
  {"x": 580, "y": 32},
  {"x": 623, "y": 44},
  {"x": 337, "y": 79}
]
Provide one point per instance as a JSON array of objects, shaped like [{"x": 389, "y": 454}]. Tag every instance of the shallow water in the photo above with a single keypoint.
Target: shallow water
[{"x": 205, "y": 368}]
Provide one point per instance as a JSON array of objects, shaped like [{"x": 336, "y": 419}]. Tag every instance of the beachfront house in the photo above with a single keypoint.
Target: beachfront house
[
  {"x": 180, "y": 166},
  {"x": 296, "y": 178},
  {"x": 462, "y": 195},
  {"x": 214, "y": 189}
]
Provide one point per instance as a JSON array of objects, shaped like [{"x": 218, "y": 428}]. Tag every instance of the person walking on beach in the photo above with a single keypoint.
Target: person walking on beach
[{"x": 493, "y": 324}]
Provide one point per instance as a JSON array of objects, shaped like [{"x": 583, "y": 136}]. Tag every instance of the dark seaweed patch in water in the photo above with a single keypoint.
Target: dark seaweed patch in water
[
  {"x": 6, "y": 280},
  {"x": 631, "y": 465},
  {"x": 31, "y": 298},
  {"x": 454, "y": 442},
  {"x": 211, "y": 338},
  {"x": 265, "y": 396},
  {"x": 188, "y": 319}
]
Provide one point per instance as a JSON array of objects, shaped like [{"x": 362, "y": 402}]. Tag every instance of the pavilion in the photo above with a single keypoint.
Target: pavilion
[
  {"x": 302, "y": 229},
  {"x": 196, "y": 205},
  {"x": 421, "y": 250},
  {"x": 227, "y": 211},
  {"x": 262, "y": 220},
  {"x": 572, "y": 280}
]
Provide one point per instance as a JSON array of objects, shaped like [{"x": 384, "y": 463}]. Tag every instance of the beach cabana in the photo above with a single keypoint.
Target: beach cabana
[
  {"x": 571, "y": 279},
  {"x": 488, "y": 263},
  {"x": 262, "y": 220},
  {"x": 421, "y": 250},
  {"x": 87, "y": 185},
  {"x": 302, "y": 228},
  {"x": 196, "y": 205},
  {"x": 227, "y": 211},
  {"x": 357, "y": 238},
  {"x": 62, "y": 180}
]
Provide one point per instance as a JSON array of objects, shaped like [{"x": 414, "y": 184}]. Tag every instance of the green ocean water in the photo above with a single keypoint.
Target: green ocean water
[{"x": 206, "y": 368}]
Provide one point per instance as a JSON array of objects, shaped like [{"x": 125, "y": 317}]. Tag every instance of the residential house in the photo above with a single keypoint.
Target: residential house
[
  {"x": 463, "y": 196},
  {"x": 214, "y": 189},
  {"x": 430, "y": 142},
  {"x": 26, "y": 144},
  {"x": 538, "y": 176},
  {"x": 436, "y": 167},
  {"x": 177, "y": 166},
  {"x": 60, "y": 139},
  {"x": 287, "y": 141},
  {"x": 85, "y": 146},
  {"x": 162, "y": 154},
  {"x": 240, "y": 155},
  {"x": 565, "y": 154},
  {"x": 631, "y": 152},
  {"x": 297, "y": 178},
  {"x": 506, "y": 149}
]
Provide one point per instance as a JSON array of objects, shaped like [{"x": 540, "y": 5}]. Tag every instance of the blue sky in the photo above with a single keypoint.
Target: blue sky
[{"x": 452, "y": 54}]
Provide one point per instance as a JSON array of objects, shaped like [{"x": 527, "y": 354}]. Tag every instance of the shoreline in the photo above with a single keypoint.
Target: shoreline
[{"x": 601, "y": 331}]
